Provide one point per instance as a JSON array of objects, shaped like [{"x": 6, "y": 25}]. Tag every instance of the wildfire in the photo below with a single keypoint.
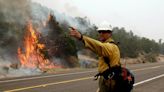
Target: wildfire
[{"x": 33, "y": 55}]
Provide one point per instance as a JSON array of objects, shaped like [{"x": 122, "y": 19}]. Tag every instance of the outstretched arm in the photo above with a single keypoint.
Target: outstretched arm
[{"x": 102, "y": 49}]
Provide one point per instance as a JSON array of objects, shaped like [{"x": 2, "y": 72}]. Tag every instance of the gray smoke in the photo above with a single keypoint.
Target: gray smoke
[
  {"x": 14, "y": 17},
  {"x": 82, "y": 24},
  {"x": 15, "y": 11},
  {"x": 65, "y": 14}
]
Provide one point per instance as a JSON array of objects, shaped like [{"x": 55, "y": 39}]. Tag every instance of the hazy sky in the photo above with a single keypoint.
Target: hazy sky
[{"x": 144, "y": 17}]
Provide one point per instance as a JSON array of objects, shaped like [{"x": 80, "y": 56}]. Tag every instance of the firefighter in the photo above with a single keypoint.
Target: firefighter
[{"x": 109, "y": 66}]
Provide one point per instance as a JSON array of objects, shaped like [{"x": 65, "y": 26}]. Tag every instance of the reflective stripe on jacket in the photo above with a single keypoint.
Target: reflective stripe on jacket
[{"x": 105, "y": 49}]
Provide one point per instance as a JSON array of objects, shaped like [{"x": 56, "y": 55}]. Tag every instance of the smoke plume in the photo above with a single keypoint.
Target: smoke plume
[{"x": 14, "y": 14}]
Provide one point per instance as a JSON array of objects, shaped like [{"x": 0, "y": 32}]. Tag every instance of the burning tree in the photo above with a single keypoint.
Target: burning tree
[{"x": 34, "y": 54}]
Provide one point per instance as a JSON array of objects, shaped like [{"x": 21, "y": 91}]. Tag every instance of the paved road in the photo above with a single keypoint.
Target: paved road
[{"x": 149, "y": 78}]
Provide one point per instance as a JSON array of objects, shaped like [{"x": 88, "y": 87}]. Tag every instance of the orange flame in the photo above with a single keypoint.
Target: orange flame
[{"x": 33, "y": 56}]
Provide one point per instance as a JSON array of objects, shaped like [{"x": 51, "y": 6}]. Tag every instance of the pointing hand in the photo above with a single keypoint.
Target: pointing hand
[{"x": 74, "y": 33}]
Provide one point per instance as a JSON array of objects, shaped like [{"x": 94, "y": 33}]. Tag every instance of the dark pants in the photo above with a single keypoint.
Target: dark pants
[
  {"x": 106, "y": 85},
  {"x": 111, "y": 85}
]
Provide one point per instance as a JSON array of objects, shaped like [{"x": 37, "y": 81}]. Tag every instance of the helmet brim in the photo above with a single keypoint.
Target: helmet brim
[{"x": 104, "y": 31}]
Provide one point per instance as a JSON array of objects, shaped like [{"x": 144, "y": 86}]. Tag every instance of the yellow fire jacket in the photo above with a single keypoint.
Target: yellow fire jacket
[{"x": 105, "y": 49}]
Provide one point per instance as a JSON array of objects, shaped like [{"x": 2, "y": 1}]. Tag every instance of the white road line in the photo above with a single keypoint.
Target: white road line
[
  {"x": 141, "y": 82},
  {"x": 4, "y": 81},
  {"x": 146, "y": 68}
]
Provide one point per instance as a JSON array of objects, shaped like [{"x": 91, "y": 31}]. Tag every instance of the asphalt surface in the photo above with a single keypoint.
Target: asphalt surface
[{"x": 149, "y": 78}]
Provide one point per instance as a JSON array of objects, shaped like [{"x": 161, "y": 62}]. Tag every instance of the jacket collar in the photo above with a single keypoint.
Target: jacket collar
[{"x": 109, "y": 40}]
